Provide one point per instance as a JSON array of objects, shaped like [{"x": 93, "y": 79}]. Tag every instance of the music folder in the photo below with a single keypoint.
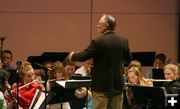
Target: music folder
[{"x": 74, "y": 83}]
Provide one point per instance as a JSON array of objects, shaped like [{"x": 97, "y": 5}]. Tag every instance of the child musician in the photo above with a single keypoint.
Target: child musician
[{"x": 26, "y": 88}]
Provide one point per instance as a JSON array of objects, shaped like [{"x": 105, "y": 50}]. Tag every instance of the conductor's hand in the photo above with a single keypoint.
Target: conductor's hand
[{"x": 70, "y": 56}]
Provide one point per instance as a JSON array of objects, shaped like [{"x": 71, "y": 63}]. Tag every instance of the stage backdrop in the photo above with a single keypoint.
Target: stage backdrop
[{"x": 36, "y": 26}]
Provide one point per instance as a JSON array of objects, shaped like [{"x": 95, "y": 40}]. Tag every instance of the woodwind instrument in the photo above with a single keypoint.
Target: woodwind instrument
[
  {"x": 158, "y": 80},
  {"x": 27, "y": 84},
  {"x": 51, "y": 80},
  {"x": 14, "y": 90}
]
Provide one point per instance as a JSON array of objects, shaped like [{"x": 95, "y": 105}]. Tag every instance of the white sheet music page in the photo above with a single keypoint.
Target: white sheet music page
[{"x": 63, "y": 83}]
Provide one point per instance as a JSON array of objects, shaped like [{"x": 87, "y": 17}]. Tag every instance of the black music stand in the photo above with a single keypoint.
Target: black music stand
[
  {"x": 149, "y": 97},
  {"x": 74, "y": 77},
  {"x": 146, "y": 58},
  {"x": 47, "y": 57},
  {"x": 56, "y": 56},
  {"x": 65, "y": 93},
  {"x": 74, "y": 83},
  {"x": 12, "y": 76},
  {"x": 158, "y": 74}
]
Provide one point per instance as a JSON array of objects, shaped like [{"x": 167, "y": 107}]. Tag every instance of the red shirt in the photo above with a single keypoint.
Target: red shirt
[{"x": 26, "y": 94}]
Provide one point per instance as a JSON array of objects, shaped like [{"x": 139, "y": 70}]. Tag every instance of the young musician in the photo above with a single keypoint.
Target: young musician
[
  {"x": 4, "y": 85},
  {"x": 85, "y": 70},
  {"x": 135, "y": 79},
  {"x": 171, "y": 72},
  {"x": 159, "y": 63},
  {"x": 7, "y": 58},
  {"x": 57, "y": 72},
  {"x": 26, "y": 88},
  {"x": 67, "y": 97}
]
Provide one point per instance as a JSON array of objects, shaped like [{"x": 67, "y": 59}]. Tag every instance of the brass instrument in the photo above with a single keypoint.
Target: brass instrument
[{"x": 2, "y": 38}]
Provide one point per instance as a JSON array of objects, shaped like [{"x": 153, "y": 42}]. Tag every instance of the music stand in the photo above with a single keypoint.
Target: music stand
[
  {"x": 74, "y": 77},
  {"x": 47, "y": 57},
  {"x": 36, "y": 59},
  {"x": 12, "y": 76},
  {"x": 158, "y": 74},
  {"x": 74, "y": 83},
  {"x": 64, "y": 91},
  {"x": 151, "y": 97},
  {"x": 146, "y": 58},
  {"x": 56, "y": 56}
]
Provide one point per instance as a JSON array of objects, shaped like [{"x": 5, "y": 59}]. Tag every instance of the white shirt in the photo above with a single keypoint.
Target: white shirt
[{"x": 81, "y": 71}]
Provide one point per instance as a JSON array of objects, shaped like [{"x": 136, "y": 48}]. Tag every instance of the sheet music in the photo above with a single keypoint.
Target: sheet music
[
  {"x": 40, "y": 100},
  {"x": 62, "y": 83},
  {"x": 35, "y": 95}
]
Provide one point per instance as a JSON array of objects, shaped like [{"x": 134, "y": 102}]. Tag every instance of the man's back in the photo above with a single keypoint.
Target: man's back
[{"x": 110, "y": 53}]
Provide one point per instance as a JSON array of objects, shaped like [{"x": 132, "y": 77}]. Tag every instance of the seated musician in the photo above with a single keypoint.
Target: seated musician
[
  {"x": 135, "y": 63},
  {"x": 66, "y": 97},
  {"x": 4, "y": 85},
  {"x": 159, "y": 63},
  {"x": 85, "y": 69},
  {"x": 69, "y": 67},
  {"x": 171, "y": 72},
  {"x": 25, "y": 94},
  {"x": 4, "y": 80},
  {"x": 3, "y": 104},
  {"x": 57, "y": 72},
  {"x": 134, "y": 78}
]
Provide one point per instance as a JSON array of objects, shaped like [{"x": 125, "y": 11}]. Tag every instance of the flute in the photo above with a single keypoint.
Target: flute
[
  {"x": 158, "y": 80},
  {"x": 27, "y": 84},
  {"x": 51, "y": 80},
  {"x": 13, "y": 91}
]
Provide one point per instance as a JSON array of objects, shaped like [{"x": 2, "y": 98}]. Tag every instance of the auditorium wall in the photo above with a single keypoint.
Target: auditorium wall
[{"x": 36, "y": 26}]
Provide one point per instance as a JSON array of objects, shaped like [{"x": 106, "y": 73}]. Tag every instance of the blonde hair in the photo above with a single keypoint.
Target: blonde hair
[
  {"x": 25, "y": 67},
  {"x": 135, "y": 63},
  {"x": 141, "y": 81},
  {"x": 173, "y": 68},
  {"x": 135, "y": 70}
]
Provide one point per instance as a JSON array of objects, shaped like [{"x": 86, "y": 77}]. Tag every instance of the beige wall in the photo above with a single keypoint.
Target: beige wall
[{"x": 36, "y": 26}]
